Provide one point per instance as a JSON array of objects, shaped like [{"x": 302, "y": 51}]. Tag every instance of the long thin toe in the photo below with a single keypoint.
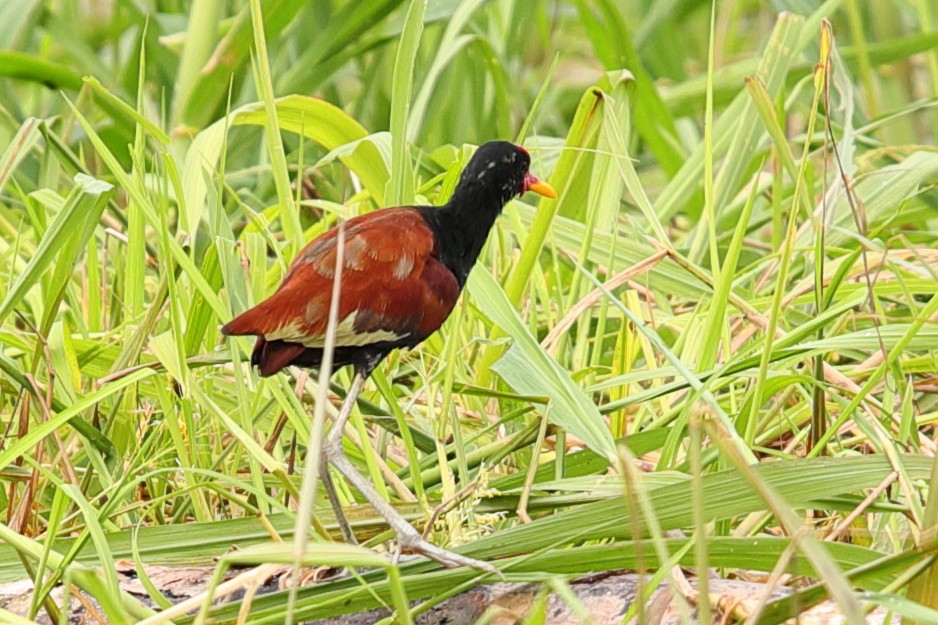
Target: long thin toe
[{"x": 449, "y": 559}]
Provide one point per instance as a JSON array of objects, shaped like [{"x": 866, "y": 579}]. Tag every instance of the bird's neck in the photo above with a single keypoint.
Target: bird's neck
[{"x": 462, "y": 227}]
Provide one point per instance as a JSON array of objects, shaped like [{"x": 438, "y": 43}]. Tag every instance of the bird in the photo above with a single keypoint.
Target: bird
[{"x": 402, "y": 271}]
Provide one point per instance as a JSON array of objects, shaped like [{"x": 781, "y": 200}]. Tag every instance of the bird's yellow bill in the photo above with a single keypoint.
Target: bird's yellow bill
[{"x": 540, "y": 187}]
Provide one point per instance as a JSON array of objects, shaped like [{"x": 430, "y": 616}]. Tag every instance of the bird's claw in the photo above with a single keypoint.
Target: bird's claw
[{"x": 416, "y": 544}]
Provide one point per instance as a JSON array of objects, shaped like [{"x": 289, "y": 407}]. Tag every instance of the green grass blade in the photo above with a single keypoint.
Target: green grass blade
[
  {"x": 401, "y": 186},
  {"x": 85, "y": 203},
  {"x": 531, "y": 371}
]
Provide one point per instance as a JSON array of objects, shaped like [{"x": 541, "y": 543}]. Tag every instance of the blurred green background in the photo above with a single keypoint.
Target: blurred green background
[{"x": 760, "y": 314}]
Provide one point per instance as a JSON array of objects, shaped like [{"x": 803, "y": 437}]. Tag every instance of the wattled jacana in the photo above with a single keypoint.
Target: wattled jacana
[{"x": 403, "y": 270}]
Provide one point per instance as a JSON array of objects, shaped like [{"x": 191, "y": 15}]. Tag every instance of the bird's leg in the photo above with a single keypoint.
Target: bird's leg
[
  {"x": 333, "y": 439},
  {"x": 344, "y": 526},
  {"x": 408, "y": 537}
]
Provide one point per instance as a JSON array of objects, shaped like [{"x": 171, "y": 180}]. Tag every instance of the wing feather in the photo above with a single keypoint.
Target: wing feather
[{"x": 393, "y": 287}]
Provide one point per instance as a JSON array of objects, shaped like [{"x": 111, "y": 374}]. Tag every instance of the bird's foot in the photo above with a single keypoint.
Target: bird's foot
[{"x": 415, "y": 543}]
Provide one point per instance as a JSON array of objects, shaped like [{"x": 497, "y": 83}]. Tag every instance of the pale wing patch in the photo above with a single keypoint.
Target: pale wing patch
[
  {"x": 290, "y": 332},
  {"x": 345, "y": 335},
  {"x": 355, "y": 253},
  {"x": 315, "y": 309},
  {"x": 325, "y": 270},
  {"x": 403, "y": 267}
]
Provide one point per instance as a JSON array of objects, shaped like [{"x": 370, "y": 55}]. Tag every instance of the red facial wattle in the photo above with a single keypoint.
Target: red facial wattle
[{"x": 532, "y": 183}]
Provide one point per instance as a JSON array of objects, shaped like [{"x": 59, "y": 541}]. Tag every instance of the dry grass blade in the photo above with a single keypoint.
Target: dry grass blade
[{"x": 596, "y": 295}]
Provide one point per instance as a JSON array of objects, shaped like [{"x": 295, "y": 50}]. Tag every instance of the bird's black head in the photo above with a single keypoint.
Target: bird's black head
[{"x": 498, "y": 171}]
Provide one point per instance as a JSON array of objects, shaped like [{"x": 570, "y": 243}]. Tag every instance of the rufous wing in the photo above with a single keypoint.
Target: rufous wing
[{"x": 392, "y": 288}]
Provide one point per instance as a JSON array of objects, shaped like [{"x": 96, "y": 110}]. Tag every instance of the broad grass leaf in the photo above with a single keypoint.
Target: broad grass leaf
[
  {"x": 19, "y": 147},
  {"x": 85, "y": 204},
  {"x": 316, "y": 119},
  {"x": 314, "y": 554},
  {"x": 15, "y": 16},
  {"x": 726, "y": 493},
  {"x": 400, "y": 189},
  {"x": 529, "y": 370}
]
